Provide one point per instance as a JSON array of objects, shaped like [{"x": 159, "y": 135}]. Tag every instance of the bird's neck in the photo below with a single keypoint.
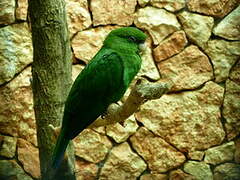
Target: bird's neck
[{"x": 120, "y": 45}]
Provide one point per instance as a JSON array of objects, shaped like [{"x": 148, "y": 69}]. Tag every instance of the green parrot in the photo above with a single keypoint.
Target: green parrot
[{"x": 102, "y": 82}]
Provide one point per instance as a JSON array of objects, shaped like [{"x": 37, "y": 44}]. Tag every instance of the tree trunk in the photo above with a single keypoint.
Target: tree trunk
[{"x": 51, "y": 72}]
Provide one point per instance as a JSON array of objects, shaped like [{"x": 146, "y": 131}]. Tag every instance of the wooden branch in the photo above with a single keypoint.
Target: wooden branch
[{"x": 141, "y": 93}]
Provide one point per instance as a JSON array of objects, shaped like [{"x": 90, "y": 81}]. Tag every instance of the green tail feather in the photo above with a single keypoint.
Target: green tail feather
[{"x": 59, "y": 150}]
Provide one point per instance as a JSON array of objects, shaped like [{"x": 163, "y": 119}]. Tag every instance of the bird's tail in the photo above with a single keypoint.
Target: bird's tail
[{"x": 59, "y": 150}]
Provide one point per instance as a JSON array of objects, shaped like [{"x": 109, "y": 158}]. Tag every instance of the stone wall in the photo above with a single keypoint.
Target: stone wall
[{"x": 190, "y": 133}]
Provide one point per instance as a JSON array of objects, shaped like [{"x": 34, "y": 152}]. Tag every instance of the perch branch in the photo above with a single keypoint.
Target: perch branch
[{"x": 141, "y": 93}]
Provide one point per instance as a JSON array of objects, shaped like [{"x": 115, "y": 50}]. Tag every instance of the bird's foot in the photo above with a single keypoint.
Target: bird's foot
[
  {"x": 103, "y": 116},
  {"x": 55, "y": 130}
]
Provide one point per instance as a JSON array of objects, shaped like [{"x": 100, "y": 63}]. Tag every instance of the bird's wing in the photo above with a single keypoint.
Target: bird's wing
[{"x": 98, "y": 85}]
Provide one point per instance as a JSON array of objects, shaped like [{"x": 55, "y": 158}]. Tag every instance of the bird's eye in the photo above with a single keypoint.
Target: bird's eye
[{"x": 133, "y": 39}]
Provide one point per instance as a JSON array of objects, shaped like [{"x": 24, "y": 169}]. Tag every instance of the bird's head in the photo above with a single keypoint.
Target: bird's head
[{"x": 126, "y": 37}]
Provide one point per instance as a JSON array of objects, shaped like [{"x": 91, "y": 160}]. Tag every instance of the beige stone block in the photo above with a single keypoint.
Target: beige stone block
[
  {"x": 121, "y": 132},
  {"x": 118, "y": 12},
  {"x": 197, "y": 27},
  {"x": 188, "y": 120},
  {"x": 235, "y": 73},
  {"x": 28, "y": 155},
  {"x": 143, "y": 3},
  {"x": 229, "y": 27},
  {"x": 92, "y": 146},
  {"x": 231, "y": 109},
  {"x": 227, "y": 171},
  {"x": 170, "y": 46},
  {"x": 170, "y": 5},
  {"x": 15, "y": 50},
  {"x": 78, "y": 16},
  {"x": 158, "y": 22},
  {"x": 223, "y": 55},
  {"x": 85, "y": 170},
  {"x": 7, "y": 146},
  {"x": 220, "y": 154},
  {"x": 159, "y": 155},
  {"x": 180, "y": 175},
  {"x": 217, "y": 8},
  {"x": 122, "y": 163},
  {"x": 10, "y": 168},
  {"x": 188, "y": 70},
  {"x": 148, "y": 67},
  {"x": 16, "y": 112},
  {"x": 7, "y": 11},
  {"x": 200, "y": 170},
  {"x": 154, "y": 176},
  {"x": 21, "y": 10},
  {"x": 196, "y": 155}
]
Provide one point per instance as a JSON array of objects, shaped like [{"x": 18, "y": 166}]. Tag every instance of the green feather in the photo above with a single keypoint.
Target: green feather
[
  {"x": 60, "y": 148},
  {"x": 102, "y": 82}
]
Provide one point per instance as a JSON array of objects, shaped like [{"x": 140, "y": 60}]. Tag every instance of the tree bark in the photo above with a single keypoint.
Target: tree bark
[
  {"x": 142, "y": 92},
  {"x": 51, "y": 72}
]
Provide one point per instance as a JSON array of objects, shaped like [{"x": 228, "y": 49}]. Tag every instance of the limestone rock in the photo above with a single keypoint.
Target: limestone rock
[
  {"x": 148, "y": 67},
  {"x": 158, "y": 22},
  {"x": 16, "y": 112},
  {"x": 143, "y": 3},
  {"x": 87, "y": 43},
  {"x": 112, "y": 12},
  {"x": 100, "y": 130},
  {"x": 223, "y": 55},
  {"x": 76, "y": 69},
  {"x": 121, "y": 133},
  {"x": 188, "y": 120},
  {"x": 220, "y": 154},
  {"x": 78, "y": 16},
  {"x": 92, "y": 146},
  {"x": 21, "y": 10},
  {"x": 158, "y": 154},
  {"x": 237, "y": 152},
  {"x": 235, "y": 73},
  {"x": 231, "y": 109},
  {"x": 85, "y": 170},
  {"x": 217, "y": 8},
  {"x": 188, "y": 70},
  {"x": 122, "y": 163},
  {"x": 180, "y": 175},
  {"x": 228, "y": 28},
  {"x": 7, "y": 146},
  {"x": 227, "y": 171},
  {"x": 154, "y": 177},
  {"x": 10, "y": 170},
  {"x": 7, "y": 11},
  {"x": 29, "y": 157},
  {"x": 15, "y": 50},
  {"x": 170, "y": 46},
  {"x": 170, "y": 5},
  {"x": 197, "y": 27},
  {"x": 200, "y": 170},
  {"x": 196, "y": 155}
]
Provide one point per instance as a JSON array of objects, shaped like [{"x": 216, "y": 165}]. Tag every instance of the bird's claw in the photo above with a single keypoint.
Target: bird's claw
[
  {"x": 56, "y": 130},
  {"x": 103, "y": 116}
]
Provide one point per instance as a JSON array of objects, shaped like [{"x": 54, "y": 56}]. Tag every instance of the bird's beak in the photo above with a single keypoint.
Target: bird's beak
[{"x": 142, "y": 48}]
